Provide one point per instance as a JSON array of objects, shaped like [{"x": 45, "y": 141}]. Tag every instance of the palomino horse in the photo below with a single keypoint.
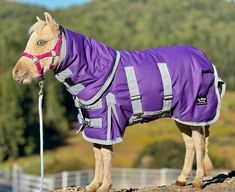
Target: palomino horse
[{"x": 112, "y": 89}]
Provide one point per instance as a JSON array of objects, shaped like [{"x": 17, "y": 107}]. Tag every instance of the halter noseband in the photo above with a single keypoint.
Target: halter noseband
[{"x": 36, "y": 58}]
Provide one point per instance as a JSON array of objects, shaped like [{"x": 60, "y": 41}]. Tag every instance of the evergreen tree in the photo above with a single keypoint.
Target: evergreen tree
[{"x": 11, "y": 119}]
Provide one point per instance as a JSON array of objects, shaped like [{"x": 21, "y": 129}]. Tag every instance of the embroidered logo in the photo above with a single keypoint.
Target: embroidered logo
[{"x": 201, "y": 100}]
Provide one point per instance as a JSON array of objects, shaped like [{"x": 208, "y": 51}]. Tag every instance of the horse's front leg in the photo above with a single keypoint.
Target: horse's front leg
[
  {"x": 97, "y": 180},
  {"x": 107, "y": 153}
]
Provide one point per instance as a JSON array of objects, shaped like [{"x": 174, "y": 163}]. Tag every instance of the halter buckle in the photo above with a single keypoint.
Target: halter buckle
[{"x": 35, "y": 59}]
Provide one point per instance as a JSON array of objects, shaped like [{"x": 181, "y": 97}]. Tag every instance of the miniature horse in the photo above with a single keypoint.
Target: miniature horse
[{"x": 110, "y": 86}]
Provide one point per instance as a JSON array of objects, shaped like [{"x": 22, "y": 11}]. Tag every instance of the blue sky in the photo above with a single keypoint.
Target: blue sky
[{"x": 53, "y": 4}]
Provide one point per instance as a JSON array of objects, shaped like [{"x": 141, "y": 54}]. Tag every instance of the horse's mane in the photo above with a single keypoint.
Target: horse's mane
[{"x": 38, "y": 26}]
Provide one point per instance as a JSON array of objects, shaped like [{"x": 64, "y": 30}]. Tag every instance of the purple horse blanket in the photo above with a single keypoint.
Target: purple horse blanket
[{"x": 113, "y": 89}]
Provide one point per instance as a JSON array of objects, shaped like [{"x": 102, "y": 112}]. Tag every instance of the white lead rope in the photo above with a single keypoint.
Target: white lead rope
[{"x": 40, "y": 98}]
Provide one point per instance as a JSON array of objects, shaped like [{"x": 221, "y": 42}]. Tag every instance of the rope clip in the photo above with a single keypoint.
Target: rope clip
[{"x": 41, "y": 85}]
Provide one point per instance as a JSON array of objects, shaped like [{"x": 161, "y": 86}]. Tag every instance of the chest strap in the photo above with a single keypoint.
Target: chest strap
[
  {"x": 134, "y": 93},
  {"x": 135, "y": 96},
  {"x": 167, "y": 87}
]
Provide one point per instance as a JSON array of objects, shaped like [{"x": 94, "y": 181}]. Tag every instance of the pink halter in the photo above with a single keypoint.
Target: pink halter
[{"x": 36, "y": 58}]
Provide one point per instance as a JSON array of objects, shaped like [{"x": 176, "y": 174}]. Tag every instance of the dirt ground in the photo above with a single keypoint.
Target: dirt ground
[{"x": 220, "y": 183}]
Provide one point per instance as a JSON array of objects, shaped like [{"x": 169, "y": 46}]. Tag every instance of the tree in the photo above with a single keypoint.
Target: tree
[{"x": 11, "y": 118}]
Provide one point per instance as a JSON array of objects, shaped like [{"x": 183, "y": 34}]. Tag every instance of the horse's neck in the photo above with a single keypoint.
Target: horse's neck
[{"x": 81, "y": 52}]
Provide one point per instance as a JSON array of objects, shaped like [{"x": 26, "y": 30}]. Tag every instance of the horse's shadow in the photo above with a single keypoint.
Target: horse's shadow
[{"x": 219, "y": 178}]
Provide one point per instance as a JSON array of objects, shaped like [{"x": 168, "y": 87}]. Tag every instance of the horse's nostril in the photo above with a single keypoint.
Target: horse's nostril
[
  {"x": 14, "y": 74},
  {"x": 16, "y": 77},
  {"x": 19, "y": 76}
]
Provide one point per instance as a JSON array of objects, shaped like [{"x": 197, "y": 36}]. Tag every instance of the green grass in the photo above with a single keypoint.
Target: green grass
[{"x": 78, "y": 154}]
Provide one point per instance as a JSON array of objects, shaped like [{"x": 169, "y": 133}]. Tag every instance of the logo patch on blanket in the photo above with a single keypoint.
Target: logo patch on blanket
[{"x": 201, "y": 100}]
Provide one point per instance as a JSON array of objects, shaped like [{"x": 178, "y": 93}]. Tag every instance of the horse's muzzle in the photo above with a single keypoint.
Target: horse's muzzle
[{"x": 19, "y": 76}]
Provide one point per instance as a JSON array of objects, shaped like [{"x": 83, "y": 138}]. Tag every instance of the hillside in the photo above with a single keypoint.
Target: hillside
[{"x": 129, "y": 24}]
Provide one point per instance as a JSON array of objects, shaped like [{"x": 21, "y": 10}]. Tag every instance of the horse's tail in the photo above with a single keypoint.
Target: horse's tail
[
  {"x": 207, "y": 162},
  {"x": 220, "y": 84}
]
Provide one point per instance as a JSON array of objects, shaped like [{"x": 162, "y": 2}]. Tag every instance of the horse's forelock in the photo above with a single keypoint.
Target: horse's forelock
[{"x": 38, "y": 26}]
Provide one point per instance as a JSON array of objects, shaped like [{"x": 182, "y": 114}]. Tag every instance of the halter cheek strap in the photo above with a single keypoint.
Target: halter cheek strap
[{"x": 36, "y": 58}]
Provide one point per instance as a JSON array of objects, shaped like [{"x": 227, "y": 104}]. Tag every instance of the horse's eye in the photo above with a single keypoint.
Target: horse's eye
[{"x": 41, "y": 42}]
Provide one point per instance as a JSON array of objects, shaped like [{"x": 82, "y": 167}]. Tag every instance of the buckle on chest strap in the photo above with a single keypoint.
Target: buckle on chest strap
[
  {"x": 135, "y": 97},
  {"x": 82, "y": 121},
  {"x": 168, "y": 97}
]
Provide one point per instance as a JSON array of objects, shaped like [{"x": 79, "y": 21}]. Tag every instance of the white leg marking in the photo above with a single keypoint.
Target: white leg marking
[
  {"x": 189, "y": 155},
  {"x": 107, "y": 153},
  {"x": 97, "y": 180},
  {"x": 208, "y": 166},
  {"x": 198, "y": 140}
]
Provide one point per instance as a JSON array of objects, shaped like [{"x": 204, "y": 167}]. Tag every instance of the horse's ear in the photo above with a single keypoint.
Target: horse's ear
[
  {"x": 38, "y": 19},
  {"x": 51, "y": 22}
]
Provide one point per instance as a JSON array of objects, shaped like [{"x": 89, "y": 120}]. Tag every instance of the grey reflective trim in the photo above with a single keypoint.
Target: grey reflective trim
[
  {"x": 152, "y": 113},
  {"x": 167, "y": 86},
  {"x": 97, "y": 105},
  {"x": 74, "y": 90},
  {"x": 81, "y": 124},
  {"x": 167, "y": 100},
  {"x": 161, "y": 114},
  {"x": 114, "y": 110},
  {"x": 135, "y": 119},
  {"x": 77, "y": 102},
  {"x": 94, "y": 122},
  {"x": 66, "y": 85},
  {"x": 61, "y": 76},
  {"x": 80, "y": 116},
  {"x": 134, "y": 91},
  {"x": 102, "y": 142},
  {"x": 218, "y": 109},
  {"x": 60, "y": 79},
  {"x": 109, "y": 124},
  {"x": 63, "y": 51},
  {"x": 79, "y": 129},
  {"x": 110, "y": 99},
  {"x": 106, "y": 84},
  {"x": 111, "y": 102}
]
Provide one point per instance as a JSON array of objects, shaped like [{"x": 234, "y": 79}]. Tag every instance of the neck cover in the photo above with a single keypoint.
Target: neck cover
[{"x": 114, "y": 89}]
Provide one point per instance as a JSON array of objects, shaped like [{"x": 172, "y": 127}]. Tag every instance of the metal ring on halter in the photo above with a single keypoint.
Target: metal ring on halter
[{"x": 41, "y": 85}]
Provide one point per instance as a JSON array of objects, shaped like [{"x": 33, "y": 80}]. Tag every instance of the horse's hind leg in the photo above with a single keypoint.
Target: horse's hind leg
[
  {"x": 198, "y": 140},
  {"x": 189, "y": 155},
  {"x": 97, "y": 180}
]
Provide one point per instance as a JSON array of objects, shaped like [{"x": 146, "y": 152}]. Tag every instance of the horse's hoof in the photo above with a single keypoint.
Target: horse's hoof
[
  {"x": 180, "y": 183},
  {"x": 104, "y": 188},
  {"x": 92, "y": 187},
  {"x": 197, "y": 185}
]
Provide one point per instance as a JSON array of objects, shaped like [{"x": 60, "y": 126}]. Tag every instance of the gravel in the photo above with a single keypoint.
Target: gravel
[{"x": 220, "y": 183}]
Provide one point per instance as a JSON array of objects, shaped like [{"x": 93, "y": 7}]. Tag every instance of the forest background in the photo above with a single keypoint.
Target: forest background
[{"x": 121, "y": 24}]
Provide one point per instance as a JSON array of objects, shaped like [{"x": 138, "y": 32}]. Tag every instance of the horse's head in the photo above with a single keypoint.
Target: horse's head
[{"x": 41, "y": 52}]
